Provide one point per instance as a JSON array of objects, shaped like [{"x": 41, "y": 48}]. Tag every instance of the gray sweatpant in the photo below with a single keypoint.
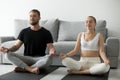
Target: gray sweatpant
[{"x": 22, "y": 61}]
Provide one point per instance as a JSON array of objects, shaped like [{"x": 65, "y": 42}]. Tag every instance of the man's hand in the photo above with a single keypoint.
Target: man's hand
[
  {"x": 51, "y": 49},
  {"x": 4, "y": 50},
  {"x": 52, "y": 52}
]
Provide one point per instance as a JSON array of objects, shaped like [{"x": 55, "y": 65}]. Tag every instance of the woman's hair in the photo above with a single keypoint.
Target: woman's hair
[{"x": 93, "y": 18}]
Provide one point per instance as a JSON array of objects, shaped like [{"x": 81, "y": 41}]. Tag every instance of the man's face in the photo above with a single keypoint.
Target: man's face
[{"x": 34, "y": 18}]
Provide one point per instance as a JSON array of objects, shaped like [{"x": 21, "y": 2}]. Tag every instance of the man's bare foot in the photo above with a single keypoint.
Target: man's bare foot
[
  {"x": 35, "y": 70},
  {"x": 18, "y": 69}
]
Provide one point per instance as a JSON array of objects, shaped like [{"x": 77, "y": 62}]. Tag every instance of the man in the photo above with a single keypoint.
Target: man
[{"x": 35, "y": 39}]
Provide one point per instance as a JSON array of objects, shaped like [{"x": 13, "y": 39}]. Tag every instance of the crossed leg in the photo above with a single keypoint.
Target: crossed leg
[{"x": 27, "y": 63}]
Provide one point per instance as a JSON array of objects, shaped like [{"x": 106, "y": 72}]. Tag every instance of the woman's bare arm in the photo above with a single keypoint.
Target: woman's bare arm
[
  {"x": 102, "y": 52},
  {"x": 75, "y": 50}
]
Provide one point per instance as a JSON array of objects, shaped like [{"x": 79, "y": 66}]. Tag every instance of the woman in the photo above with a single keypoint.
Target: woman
[{"x": 92, "y": 45}]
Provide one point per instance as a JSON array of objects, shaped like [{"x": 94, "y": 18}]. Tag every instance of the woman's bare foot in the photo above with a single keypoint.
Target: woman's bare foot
[
  {"x": 85, "y": 71},
  {"x": 70, "y": 71}
]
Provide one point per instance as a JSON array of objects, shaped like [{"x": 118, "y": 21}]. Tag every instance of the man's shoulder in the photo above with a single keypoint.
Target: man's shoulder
[
  {"x": 25, "y": 29},
  {"x": 44, "y": 29}
]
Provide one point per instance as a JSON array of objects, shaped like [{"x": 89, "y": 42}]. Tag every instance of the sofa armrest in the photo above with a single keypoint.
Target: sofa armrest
[
  {"x": 112, "y": 46},
  {"x": 112, "y": 49},
  {"x": 6, "y": 38}
]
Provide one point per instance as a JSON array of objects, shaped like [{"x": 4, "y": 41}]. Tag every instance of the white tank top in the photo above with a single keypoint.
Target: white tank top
[{"x": 90, "y": 45}]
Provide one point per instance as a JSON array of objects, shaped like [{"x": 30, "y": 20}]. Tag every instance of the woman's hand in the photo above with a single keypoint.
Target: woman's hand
[
  {"x": 62, "y": 55},
  {"x": 106, "y": 61}
]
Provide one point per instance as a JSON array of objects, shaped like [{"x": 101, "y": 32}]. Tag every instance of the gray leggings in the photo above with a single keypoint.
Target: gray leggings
[{"x": 22, "y": 61}]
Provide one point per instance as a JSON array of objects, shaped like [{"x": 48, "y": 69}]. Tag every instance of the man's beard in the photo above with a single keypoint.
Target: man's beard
[{"x": 34, "y": 23}]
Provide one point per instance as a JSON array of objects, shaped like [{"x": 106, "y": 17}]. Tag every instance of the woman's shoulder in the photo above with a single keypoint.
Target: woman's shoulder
[
  {"x": 80, "y": 34},
  {"x": 99, "y": 34}
]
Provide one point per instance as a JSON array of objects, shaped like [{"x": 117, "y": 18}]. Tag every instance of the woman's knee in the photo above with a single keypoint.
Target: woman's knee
[
  {"x": 100, "y": 69},
  {"x": 105, "y": 67},
  {"x": 71, "y": 63},
  {"x": 66, "y": 61}
]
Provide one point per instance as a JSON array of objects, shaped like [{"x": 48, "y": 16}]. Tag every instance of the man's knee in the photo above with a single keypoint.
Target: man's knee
[
  {"x": 9, "y": 55},
  {"x": 48, "y": 60}
]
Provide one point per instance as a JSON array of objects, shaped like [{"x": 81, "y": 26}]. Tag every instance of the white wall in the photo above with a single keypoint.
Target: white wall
[
  {"x": 71, "y": 10},
  {"x": 62, "y": 9}
]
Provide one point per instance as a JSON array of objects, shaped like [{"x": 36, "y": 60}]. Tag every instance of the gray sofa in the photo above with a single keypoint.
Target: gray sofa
[{"x": 64, "y": 35}]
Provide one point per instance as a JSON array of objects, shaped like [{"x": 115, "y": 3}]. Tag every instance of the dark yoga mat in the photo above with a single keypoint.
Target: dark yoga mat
[
  {"x": 27, "y": 76},
  {"x": 86, "y": 77}
]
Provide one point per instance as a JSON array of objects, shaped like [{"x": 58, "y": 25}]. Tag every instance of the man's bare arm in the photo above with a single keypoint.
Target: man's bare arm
[
  {"x": 16, "y": 46},
  {"x": 51, "y": 49}
]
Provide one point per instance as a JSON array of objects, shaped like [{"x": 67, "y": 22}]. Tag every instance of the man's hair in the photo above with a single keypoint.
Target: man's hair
[{"x": 35, "y": 10}]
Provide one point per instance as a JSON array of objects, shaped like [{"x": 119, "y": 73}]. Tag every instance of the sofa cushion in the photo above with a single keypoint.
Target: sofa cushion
[
  {"x": 9, "y": 44},
  {"x": 51, "y": 25},
  {"x": 101, "y": 27},
  {"x": 68, "y": 31},
  {"x": 19, "y": 24},
  {"x": 64, "y": 47}
]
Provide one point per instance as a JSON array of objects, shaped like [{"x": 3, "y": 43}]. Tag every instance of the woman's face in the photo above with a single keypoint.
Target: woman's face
[{"x": 90, "y": 23}]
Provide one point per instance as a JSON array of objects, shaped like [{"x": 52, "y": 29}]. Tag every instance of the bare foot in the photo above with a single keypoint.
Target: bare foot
[
  {"x": 73, "y": 71},
  {"x": 70, "y": 71},
  {"x": 85, "y": 71},
  {"x": 35, "y": 70},
  {"x": 18, "y": 69}
]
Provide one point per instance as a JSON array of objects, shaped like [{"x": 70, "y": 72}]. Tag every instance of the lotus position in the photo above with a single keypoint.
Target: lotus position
[
  {"x": 35, "y": 39},
  {"x": 91, "y": 45}
]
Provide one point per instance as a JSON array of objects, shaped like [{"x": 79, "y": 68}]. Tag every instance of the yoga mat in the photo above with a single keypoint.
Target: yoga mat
[
  {"x": 57, "y": 74},
  {"x": 52, "y": 73},
  {"x": 61, "y": 74},
  {"x": 27, "y": 76},
  {"x": 86, "y": 77}
]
